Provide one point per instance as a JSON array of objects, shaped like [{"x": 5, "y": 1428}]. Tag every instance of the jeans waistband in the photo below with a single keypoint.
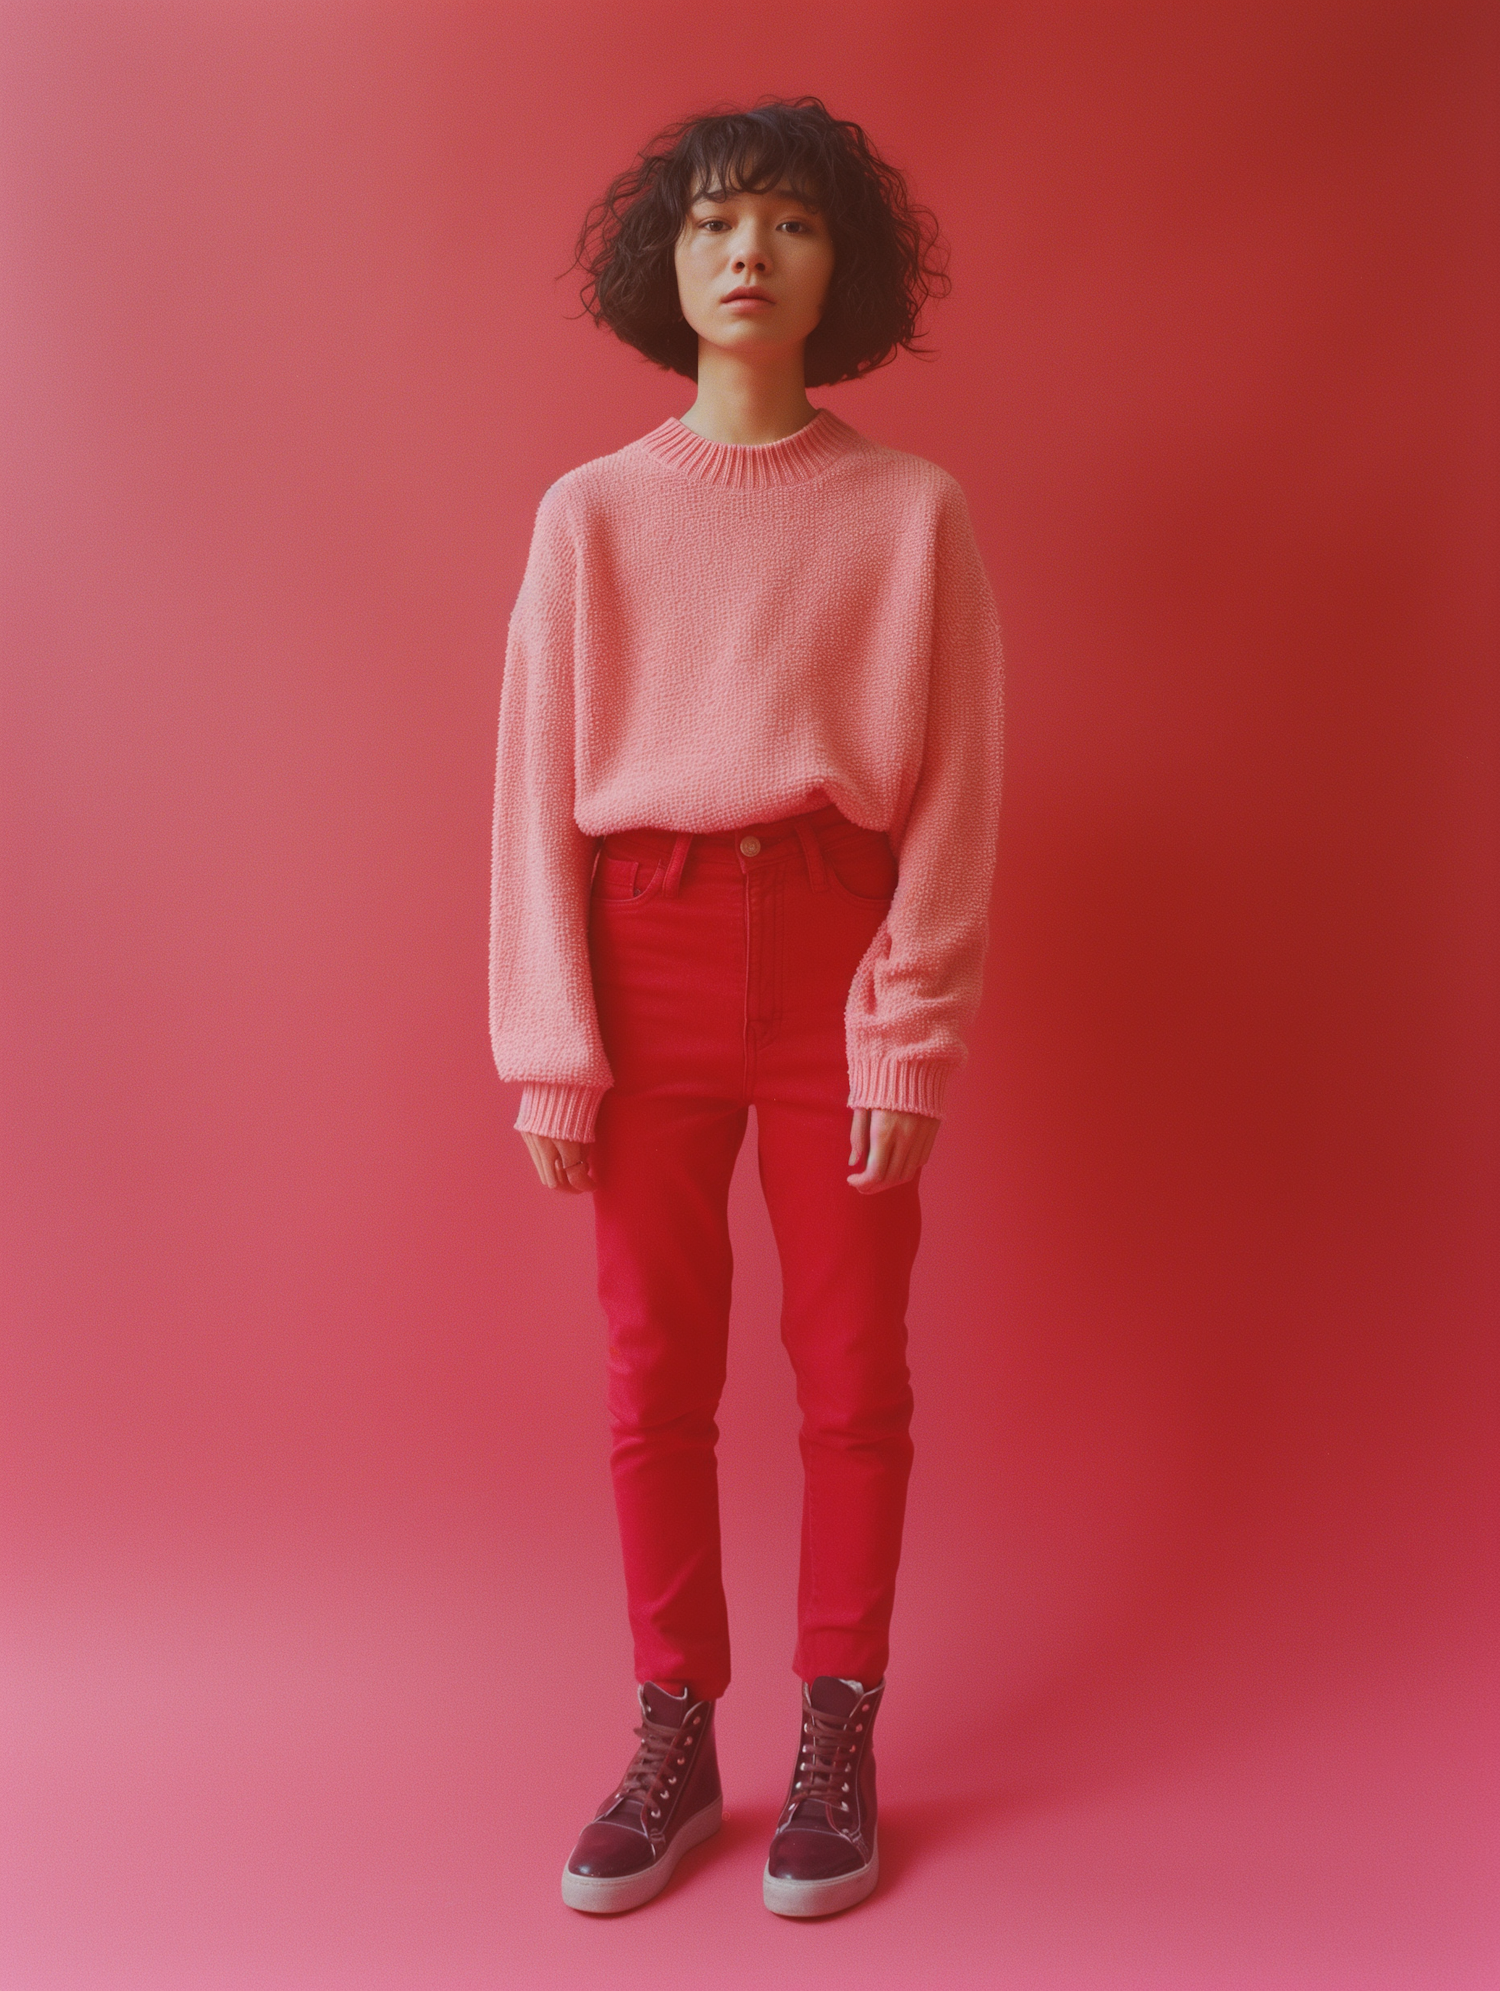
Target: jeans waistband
[{"x": 772, "y": 838}]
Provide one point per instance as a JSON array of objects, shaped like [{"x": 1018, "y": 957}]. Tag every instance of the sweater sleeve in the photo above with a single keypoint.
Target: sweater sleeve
[
  {"x": 920, "y": 980},
  {"x": 543, "y": 1027}
]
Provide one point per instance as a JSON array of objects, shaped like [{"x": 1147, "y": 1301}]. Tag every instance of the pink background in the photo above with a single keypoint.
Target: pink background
[{"x": 316, "y": 1633}]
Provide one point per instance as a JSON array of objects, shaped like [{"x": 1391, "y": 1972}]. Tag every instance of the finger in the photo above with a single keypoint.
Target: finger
[
  {"x": 880, "y": 1143},
  {"x": 898, "y": 1157},
  {"x": 902, "y": 1165},
  {"x": 900, "y": 1145},
  {"x": 859, "y": 1135},
  {"x": 898, "y": 1150}
]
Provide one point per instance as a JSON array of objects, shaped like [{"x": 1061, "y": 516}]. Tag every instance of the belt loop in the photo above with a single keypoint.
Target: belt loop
[
  {"x": 674, "y": 868},
  {"x": 812, "y": 853}
]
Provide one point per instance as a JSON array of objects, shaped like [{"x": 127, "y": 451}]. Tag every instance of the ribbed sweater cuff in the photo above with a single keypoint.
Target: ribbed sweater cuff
[
  {"x": 561, "y": 1112},
  {"x": 899, "y": 1086}
]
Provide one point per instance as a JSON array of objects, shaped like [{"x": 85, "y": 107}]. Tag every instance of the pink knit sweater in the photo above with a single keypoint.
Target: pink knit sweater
[{"x": 710, "y": 634}]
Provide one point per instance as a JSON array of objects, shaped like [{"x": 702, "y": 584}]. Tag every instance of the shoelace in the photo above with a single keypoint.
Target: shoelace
[
  {"x": 649, "y": 1774},
  {"x": 827, "y": 1757}
]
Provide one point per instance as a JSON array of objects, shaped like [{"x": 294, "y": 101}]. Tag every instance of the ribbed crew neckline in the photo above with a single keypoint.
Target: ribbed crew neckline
[{"x": 753, "y": 465}]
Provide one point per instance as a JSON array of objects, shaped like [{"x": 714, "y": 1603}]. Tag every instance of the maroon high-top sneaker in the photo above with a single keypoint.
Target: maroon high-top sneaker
[
  {"x": 668, "y": 1799},
  {"x": 823, "y": 1854}
]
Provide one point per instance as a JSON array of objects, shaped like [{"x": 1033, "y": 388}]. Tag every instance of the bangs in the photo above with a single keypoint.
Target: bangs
[{"x": 746, "y": 155}]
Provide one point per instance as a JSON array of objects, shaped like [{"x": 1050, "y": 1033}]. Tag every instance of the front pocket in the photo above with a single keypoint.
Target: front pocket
[
  {"x": 615, "y": 878},
  {"x": 862, "y": 867},
  {"x": 622, "y": 883}
]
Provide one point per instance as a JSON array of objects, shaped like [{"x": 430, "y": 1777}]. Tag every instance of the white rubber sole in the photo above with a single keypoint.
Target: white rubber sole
[
  {"x": 822, "y": 1897},
  {"x": 596, "y": 1895}
]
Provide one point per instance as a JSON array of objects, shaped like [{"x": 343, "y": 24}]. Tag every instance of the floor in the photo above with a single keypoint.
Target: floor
[{"x": 353, "y": 1773}]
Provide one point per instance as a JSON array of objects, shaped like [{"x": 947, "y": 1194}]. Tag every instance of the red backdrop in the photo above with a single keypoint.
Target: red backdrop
[{"x": 320, "y": 1655}]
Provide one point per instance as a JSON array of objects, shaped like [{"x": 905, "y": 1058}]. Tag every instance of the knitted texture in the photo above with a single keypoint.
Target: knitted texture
[{"x": 711, "y": 634}]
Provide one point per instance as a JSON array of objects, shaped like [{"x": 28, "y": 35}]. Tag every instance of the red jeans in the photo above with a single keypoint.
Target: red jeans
[{"x": 721, "y": 966}]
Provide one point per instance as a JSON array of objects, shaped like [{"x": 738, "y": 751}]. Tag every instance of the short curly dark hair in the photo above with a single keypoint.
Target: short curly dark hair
[{"x": 887, "y": 260}]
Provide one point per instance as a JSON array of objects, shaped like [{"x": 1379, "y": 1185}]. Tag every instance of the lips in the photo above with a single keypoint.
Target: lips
[{"x": 755, "y": 296}]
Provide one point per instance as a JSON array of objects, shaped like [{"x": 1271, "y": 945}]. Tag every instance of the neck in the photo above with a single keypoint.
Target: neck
[{"x": 747, "y": 404}]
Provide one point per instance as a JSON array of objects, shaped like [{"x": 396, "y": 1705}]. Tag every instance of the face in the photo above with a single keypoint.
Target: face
[{"x": 769, "y": 243}]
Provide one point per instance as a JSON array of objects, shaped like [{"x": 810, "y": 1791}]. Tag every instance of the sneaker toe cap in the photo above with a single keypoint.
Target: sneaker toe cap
[
  {"x": 812, "y": 1856},
  {"x": 609, "y": 1852}
]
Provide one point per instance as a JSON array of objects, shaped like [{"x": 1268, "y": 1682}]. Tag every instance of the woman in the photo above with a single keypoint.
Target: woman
[{"x": 744, "y": 835}]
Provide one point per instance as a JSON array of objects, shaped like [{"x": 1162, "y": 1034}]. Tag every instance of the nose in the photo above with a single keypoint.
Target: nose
[{"x": 753, "y": 254}]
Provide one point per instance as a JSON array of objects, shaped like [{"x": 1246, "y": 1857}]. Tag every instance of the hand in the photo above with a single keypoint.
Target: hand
[
  {"x": 893, "y": 1146},
  {"x": 561, "y": 1164}
]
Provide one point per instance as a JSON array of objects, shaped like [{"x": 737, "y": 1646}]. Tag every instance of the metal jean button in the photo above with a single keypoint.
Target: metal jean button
[{"x": 750, "y": 845}]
